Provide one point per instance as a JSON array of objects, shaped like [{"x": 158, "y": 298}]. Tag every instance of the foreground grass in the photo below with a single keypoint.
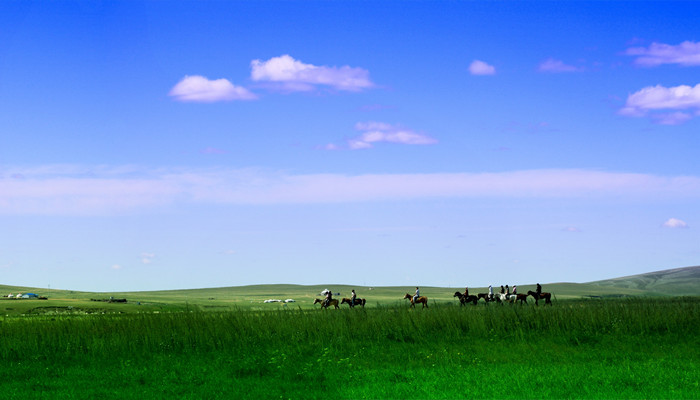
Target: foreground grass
[{"x": 632, "y": 348}]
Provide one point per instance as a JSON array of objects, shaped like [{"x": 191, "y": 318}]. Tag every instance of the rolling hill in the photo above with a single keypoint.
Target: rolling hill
[
  {"x": 677, "y": 281},
  {"x": 673, "y": 282}
]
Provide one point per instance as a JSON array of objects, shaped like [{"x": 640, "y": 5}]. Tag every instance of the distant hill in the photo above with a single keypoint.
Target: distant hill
[
  {"x": 674, "y": 282},
  {"x": 677, "y": 281}
]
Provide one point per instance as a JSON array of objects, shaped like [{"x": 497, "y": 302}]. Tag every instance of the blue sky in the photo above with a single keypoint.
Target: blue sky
[{"x": 166, "y": 145}]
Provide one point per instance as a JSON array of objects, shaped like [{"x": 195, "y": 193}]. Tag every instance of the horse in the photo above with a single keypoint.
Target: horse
[
  {"x": 521, "y": 297},
  {"x": 333, "y": 302},
  {"x": 421, "y": 299},
  {"x": 502, "y": 297},
  {"x": 544, "y": 295},
  {"x": 358, "y": 302},
  {"x": 464, "y": 299},
  {"x": 486, "y": 297}
]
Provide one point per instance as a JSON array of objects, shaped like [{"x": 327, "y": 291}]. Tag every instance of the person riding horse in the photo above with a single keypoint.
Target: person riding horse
[
  {"x": 329, "y": 297},
  {"x": 352, "y": 298},
  {"x": 417, "y": 295},
  {"x": 538, "y": 290}
]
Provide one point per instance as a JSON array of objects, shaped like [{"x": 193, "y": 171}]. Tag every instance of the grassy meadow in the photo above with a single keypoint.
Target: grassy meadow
[
  {"x": 643, "y": 347},
  {"x": 252, "y": 298}
]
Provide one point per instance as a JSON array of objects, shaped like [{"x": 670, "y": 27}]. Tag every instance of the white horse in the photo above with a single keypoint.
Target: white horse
[{"x": 502, "y": 297}]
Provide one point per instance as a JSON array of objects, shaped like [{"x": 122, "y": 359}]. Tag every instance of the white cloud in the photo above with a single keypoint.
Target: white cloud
[
  {"x": 655, "y": 98},
  {"x": 103, "y": 191},
  {"x": 478, "y": 67},
  {"x": 116, "y": 266},
  {"x": 375, "y": 132},
  {"x": 552, "y": 65},
  {"x": 147, "y": 258},
  {"x": 685, "y": 54},
  {"x": 674, "y": 118},
  {"x": 675, "y": 223},
  {"x": 293, "y": 75},
  {"x": 200, "y": 89}
]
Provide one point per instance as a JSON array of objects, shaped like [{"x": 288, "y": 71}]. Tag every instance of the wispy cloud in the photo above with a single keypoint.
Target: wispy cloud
[
  {"x": 685, "y": 54},
  {"x": 651, "y": 100},
  {"x": 675, "y": 223},
  {"x": 147, "y": 258},
  {"x": 293, "y": 75},
  {"x": 199, "y": 89},
  {"x": 213, "y": 150},
  {"x": 376, "y": 132},
  {"x": 104, "y": 191},
  {"x": 478, "y": 67},
  {"x": 556, "y": 66},
  {"x": 571, "y": 229}
]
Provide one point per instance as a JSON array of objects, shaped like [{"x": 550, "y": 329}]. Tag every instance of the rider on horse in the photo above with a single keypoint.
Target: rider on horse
[
  {"x": 352, "y": 298},
  {"x": 329, "y": 297},
  {"x": 417, "y": 295}
]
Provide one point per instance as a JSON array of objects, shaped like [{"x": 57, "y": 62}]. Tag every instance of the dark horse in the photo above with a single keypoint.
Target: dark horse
[
  {"x": 358, "y": 302},
  {"x": 464, "y": 299},
  {"x": 486, "y": 297},
  {"x": 521, "y": 297},
  {"x": 421, "y": 299},
  {"x": 544, "y": 295},
  {"x": 333, "y": 302}
]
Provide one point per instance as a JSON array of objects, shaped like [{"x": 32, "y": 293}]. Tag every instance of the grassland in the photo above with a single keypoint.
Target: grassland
[
  {"x": 626, "y": 338},
  {"x": 595, "y": 348},
  {"x": 253, "y": 297}
]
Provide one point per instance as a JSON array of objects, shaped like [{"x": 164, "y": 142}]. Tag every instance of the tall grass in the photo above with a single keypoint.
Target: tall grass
[
  {"x": 75, "y": 336},
  {"x": 650, "y": 346}
]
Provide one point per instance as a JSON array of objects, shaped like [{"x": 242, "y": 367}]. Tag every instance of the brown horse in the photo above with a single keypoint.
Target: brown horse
[
  {"x": 358, "y": 302},
  {"x": 464, "y": 299},
  {"x": 544, "y": 295},
  {"x": 521, "y": 297},
  {"x": 486, "y": 297},
  {"x": 421, "y": 299},
  {"x": 333, "y": 302}
]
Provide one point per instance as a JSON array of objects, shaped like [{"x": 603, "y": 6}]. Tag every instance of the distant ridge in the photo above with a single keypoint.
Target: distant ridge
[
  {"x": 677, "y": 281},
  {"x": 673, "y": 282}
]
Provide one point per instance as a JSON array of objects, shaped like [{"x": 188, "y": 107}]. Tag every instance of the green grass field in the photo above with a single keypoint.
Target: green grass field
[
  {"x": 596, "y": 348},
  {"x": 253, "y": 297}
]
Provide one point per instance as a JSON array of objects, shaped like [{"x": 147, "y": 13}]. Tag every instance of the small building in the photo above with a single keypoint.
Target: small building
[{"x": 30, "y": 296}]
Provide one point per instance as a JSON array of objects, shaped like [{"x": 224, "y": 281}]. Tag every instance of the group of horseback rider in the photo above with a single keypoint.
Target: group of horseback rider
[
  {"x": 504, "y": 290},
  {"x": 329, "y": 297}
]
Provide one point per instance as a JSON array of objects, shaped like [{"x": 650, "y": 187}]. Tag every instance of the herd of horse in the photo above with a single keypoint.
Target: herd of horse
[
  {"x": 334, "y": 302},
  {"x": 463, "y": 299},
  {"x": 504, "y": 297}
]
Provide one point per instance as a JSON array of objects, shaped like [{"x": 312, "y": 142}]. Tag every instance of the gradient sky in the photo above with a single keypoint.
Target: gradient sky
[{"x": 171, "y": 145}]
